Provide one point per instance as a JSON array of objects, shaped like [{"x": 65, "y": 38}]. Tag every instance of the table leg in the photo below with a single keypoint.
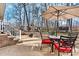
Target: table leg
[{"x": 52, "y": 47}]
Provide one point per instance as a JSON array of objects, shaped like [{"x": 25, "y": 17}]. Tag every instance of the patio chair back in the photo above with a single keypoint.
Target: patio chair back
[
  {"x": 74, "y": 34},
  {"x": 68, "y": 40},
  {"x": 66, "y": 44}
]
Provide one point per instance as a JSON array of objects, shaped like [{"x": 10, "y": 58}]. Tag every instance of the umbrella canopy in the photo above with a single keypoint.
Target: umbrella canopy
[
  {"x": 61, "y": 12},
  {"x": 2, "y": 8}
]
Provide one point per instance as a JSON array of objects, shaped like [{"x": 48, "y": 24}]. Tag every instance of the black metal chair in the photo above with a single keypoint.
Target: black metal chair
[
  {"x": 74, "y": 34},
  {"x": 65, "y": 44}
]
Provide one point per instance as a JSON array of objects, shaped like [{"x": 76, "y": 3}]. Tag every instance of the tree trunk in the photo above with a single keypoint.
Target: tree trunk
[{"x": 26, "y": 16}]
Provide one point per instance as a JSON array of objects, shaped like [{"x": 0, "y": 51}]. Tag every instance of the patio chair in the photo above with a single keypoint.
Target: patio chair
[
  {"x": 44, "y": 37},
  {"x": 45, "y": 41},
  {"x": 65, "y": 44},
  {"x": 73, "y": 34}
]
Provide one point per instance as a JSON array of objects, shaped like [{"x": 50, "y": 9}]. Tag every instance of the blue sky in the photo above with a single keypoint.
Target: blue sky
[
  {"x": 9, "y": 12},
  {"x": 10, "y": 9}
]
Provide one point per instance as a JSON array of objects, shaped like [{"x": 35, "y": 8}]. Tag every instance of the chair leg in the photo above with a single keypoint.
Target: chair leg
[
  {"x": 52, "y": 48},
  {"x": 71, "y": 53},
  {"x": 49, "y": 46},
  {"x": 41, "y": 47},
  {"x": 32, "y": 47},
  {"x": 58, "y": 53},
  {"x": 74, "y": 49}
]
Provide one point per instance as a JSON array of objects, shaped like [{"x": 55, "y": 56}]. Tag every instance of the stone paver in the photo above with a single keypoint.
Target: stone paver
[{"x": 27, "y": 48}]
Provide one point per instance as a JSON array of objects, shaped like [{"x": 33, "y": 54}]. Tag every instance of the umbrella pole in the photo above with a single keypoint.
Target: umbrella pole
[
  {"x": 71, "y": 25},
  {"x": 56, "y": 27},
  {"x": 57, "y": 21},
  {"x": 47, "y": 26},
  {"x": 1, "y": 25}
]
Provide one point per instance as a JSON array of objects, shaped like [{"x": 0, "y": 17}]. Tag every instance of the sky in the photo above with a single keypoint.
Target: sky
[
  {"x": 10, "y": 9},
  {"x": 9, "y": 13}
]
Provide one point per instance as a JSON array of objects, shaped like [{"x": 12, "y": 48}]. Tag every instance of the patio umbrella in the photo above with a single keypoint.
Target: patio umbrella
[
  {"x": 2, "y": 7},
  {"x": 61, "y": 12}
]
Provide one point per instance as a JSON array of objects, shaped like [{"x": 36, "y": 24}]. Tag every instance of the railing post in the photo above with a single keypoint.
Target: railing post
[{"x": 20, "y": 34}]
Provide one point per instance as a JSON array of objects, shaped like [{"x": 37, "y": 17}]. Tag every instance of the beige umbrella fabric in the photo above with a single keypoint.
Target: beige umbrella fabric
[
  {"x": 63, "y": 12},
  {"x": 2, "y": 8}
]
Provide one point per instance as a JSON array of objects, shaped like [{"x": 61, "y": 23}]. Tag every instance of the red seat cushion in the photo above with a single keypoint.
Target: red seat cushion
[
  {"x": 62, "y": 49},
  {"x": 46, "y": 41}
]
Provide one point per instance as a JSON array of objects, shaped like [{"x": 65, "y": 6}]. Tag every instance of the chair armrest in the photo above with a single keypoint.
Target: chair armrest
[{"x": 66, "y": 37}]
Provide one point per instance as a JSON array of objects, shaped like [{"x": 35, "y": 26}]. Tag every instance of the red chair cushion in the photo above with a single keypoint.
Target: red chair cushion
[
  {"x": 62, "y": 49},
  {"x": 46, "y": 41}
]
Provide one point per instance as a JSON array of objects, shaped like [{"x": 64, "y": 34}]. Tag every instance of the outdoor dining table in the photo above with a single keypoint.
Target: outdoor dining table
[
  {"x": 52, "y": 38},
  {"x": 56, "y": 38}
]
